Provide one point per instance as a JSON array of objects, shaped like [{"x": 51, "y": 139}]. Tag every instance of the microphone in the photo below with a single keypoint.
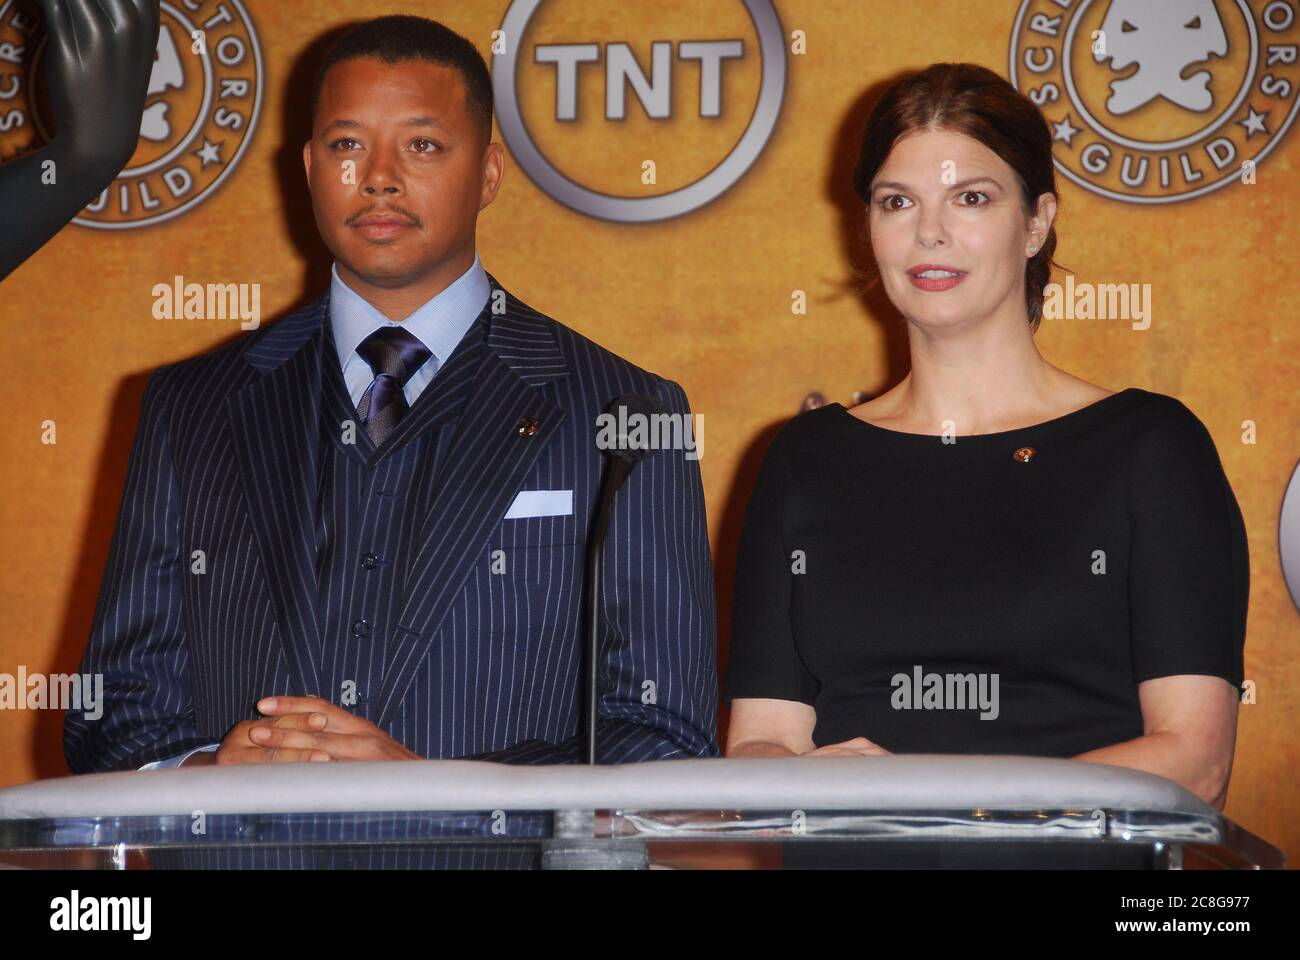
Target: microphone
[{"x": 623, "y": 452}]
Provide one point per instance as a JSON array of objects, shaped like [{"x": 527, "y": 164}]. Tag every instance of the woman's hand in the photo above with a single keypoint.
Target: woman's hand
[
  {"x": 857, "y": 747},
  {"x": 762, "y": 727}
]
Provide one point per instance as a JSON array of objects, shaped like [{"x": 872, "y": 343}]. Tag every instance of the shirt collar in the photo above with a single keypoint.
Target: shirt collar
[{"x": 440, "y": 322}]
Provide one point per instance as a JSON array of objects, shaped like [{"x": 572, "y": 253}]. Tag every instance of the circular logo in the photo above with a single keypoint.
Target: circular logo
[
  {"x": 204, "y": 97},
  {"x": 711, "y": 57},
  {"x": 1156, "y": 101},
  {"x": 1288, "y": 536}
]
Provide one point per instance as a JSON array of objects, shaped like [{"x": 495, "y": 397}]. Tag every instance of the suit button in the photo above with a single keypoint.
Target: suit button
[
  {"x": 370, "y": 561},
  {"x": 360, "y": 628}
]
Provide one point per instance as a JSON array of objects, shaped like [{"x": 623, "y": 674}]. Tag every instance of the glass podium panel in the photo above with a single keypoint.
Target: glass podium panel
[{"x": 930, "y": 812}]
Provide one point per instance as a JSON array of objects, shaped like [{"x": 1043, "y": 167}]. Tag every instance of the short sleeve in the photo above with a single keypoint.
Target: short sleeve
[
  {"x": 1189, "y": 570},
  {"x": 764, "y": 660}
]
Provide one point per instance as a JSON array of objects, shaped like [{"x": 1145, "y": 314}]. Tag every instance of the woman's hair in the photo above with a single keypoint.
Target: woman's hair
[{"x": 973, "y": 100}]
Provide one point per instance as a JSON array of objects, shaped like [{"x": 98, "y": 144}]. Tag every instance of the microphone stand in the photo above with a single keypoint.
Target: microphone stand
[{"x": 616, "y": 471}]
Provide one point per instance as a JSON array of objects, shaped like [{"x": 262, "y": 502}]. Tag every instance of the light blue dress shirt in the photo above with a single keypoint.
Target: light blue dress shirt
[{"x": 440, "y": 324}]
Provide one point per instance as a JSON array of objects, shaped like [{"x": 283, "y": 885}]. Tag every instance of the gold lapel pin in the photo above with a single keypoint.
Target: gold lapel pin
[
  {"x": 527, "y": 426},
  {"x": 1023, "y": 455}
]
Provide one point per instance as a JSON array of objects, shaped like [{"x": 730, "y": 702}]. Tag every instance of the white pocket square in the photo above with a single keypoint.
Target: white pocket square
[{"x": 541, "y": 503}]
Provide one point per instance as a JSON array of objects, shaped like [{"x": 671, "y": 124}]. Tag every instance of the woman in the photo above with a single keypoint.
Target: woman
[{"x": 995, "y": 556}]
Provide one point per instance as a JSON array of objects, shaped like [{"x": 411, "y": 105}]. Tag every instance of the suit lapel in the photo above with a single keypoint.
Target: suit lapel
[
  {"x": 275, "y": 423},
  {"x": 487, "y": 461}
]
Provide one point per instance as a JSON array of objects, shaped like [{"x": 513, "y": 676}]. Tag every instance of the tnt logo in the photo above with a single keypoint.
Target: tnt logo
[
  {"x": 1156, "y": 101},
  {"x": 649, "y": 115},
  {"x": 623, "y": 70},
  {"x": 204, "y": 96}
]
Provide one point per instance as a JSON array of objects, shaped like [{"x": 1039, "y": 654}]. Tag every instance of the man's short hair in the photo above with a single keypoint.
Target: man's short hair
[{"x": 398, "y": 38}]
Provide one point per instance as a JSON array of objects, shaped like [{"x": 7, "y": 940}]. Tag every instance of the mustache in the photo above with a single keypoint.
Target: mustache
[{"x": 398, "y": 211}]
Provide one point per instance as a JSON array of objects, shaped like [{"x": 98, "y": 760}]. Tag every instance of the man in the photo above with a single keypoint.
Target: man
[{"x": 359, "y": 533}]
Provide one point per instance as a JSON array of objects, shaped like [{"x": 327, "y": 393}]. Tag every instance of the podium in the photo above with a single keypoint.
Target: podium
[{"x": 910, "y": 811}]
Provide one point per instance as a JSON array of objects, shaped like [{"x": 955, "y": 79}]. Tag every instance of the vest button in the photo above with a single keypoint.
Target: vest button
[
  {"x": 360, "y": 628},
  {"x": 370, "y": 561}
]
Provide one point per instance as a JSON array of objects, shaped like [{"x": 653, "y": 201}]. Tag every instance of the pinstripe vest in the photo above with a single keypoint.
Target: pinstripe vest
[{"x": 369, "y": 507}]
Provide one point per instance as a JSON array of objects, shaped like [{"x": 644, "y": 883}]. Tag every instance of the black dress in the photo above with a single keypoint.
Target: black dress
[{"x": 968, "y": 597}]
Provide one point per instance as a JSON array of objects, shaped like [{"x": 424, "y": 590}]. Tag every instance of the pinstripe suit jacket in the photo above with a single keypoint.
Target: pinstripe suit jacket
[{"x": 224, "y": 461}]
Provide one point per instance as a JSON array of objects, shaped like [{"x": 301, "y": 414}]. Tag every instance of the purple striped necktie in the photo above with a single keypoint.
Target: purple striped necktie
[{"x": 394, "y": 354}]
